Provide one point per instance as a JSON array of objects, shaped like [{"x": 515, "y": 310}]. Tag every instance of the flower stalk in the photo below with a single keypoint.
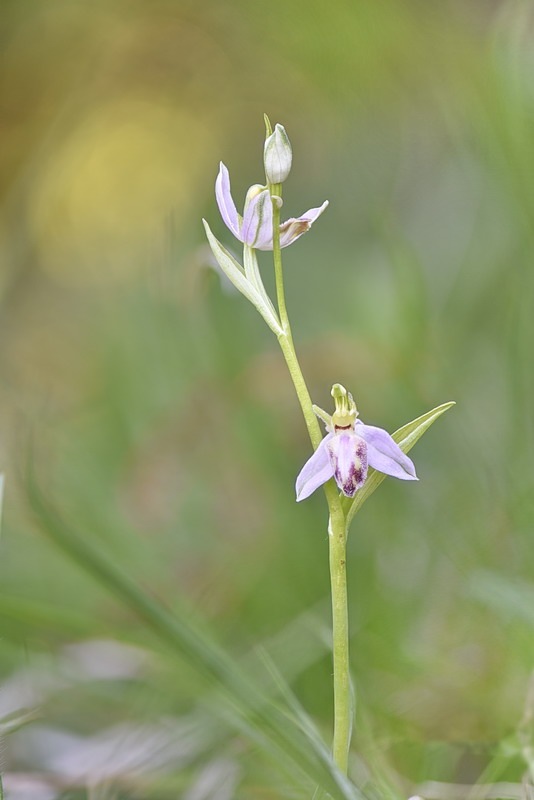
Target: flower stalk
[
  {"x": 277, "y": 259},
  {"x": 343, "y": 712},
  {"x": 353, "y": 458},
  {"x": 337, "y": 527}
]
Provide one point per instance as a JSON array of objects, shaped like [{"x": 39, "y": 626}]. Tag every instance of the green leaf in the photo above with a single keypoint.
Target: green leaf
[
  {"x": 253, "y": 274},
  {"x": 235, "y": 273},
  {"x": 405, "y": 437}
]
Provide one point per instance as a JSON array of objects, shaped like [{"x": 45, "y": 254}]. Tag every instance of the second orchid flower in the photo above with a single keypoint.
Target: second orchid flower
[{"x": 348, "y": 449}]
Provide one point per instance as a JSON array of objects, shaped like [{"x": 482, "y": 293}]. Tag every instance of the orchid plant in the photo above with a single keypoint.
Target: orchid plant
[{"x": 353, "y": 458}]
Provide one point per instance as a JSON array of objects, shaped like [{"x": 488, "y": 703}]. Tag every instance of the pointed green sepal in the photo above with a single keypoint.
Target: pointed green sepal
[
  {"x": 268, "y": 126},
  {"x": 326, "y": 418},
  {"x": 253, "y": 274},
  {"x": 252, "y": 291}
]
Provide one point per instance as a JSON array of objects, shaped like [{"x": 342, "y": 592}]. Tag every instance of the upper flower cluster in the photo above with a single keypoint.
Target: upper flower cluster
[{"x": 255, "y": 228}]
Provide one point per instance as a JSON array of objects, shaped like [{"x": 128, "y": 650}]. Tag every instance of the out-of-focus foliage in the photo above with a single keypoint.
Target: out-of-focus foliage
[{"x": 156, "y": 411}]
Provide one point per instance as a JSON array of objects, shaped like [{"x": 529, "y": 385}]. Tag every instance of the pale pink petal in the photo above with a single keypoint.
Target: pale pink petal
[
  {"x": 384, "y": 454},
  {"x": 293, "y": 228},
  {"x": 257, "y": 228},
  {"x": 316, "y": 471},
  {"x": 225, "y": 200}
]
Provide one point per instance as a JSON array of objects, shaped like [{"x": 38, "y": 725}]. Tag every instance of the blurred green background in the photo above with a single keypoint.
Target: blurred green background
[{"x": 154, "y": 408}]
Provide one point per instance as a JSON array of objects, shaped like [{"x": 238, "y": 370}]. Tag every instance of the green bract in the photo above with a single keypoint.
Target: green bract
[{"x": 405, "y": 437}]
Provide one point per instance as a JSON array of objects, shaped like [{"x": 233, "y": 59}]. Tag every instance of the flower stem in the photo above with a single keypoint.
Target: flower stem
[
  {"x": 340, "y": 639},
  {"x": 286, "y": 338},
  {"x": 314, "y": 431},
  {"x": 337, "y": 528},
  {"x": 278, "y": 272}
]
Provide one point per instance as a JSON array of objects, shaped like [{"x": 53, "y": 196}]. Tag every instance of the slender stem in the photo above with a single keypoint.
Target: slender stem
[
  {"x": 286, "y": 339},
  {"x": 340, "y": 635},
  {"x": 288, "y": 350},
  {"x": 337, "y": 526},
  {"x": 278, "y": 272}
]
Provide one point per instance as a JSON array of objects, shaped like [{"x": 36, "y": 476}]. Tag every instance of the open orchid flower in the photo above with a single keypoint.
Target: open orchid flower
[
  {"x": 348, "y": 449},
  {"x": 255, "y": 227}
]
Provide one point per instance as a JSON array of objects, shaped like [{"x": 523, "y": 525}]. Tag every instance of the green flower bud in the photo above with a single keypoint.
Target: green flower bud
[{"x": 277, "y": 155}]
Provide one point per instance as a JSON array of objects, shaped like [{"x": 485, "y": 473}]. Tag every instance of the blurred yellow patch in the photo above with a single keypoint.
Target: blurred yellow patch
[{"x": 100, "y": 204}]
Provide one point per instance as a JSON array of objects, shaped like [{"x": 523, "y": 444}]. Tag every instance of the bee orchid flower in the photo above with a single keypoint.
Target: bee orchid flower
[
  {"x": 255, "y": 227},
  {"x": 348, "y": 449}
]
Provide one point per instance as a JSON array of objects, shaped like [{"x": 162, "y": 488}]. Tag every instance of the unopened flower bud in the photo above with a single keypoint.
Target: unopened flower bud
[{"x": 277, "y": 155}]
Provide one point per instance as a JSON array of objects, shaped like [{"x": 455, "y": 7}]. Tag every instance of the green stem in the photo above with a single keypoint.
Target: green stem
[
  {"x": 277, "y": 257},
  {"x": 303, "y": 395},
  {"x": 340, "y": 626},
  {"x": 337, "y": 526},
  {"x": 286, "y": 339}
]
